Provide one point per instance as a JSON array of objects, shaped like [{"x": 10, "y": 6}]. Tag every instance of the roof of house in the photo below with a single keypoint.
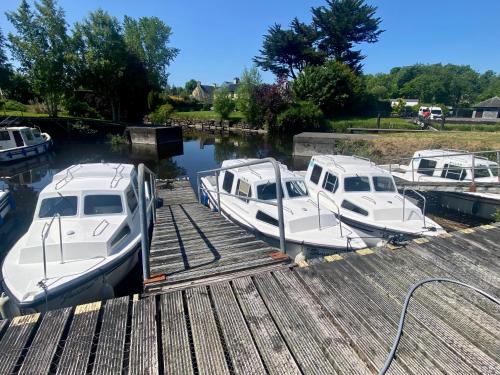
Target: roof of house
[
  {"x": 208, "y": 89},
  {"x": 231, "y": 86},
  {"x": 489, "y": 103}
]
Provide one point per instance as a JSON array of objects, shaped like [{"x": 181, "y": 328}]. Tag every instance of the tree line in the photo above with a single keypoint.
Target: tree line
[{"x": 98, "y": 67}]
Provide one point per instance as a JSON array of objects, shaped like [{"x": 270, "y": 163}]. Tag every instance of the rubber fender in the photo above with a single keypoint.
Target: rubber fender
[{"x": 107, "y": 291}]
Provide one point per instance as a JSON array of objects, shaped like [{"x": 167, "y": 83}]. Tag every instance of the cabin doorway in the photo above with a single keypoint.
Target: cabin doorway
[{"x": 18, "y": 138}]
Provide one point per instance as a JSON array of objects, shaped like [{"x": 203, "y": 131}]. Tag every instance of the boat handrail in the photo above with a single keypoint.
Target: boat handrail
[
  {"x": 102, "y": 230},
  {"x": 369, "y": 199},
  {"x": 362, "y": 158},
  {"x": 321, "y": 192},
  {"x": 145, "y": 211},
  {"x": 118, "y": 175},
  {"x": 420, "y": 195},
  {"x": 67, "y": 178},
  {"x": 279, "y": 193},
  {"x": 45, "y": 232},
  {"x": 334, "y": 162},
  {"x": 254, "y": 172}
]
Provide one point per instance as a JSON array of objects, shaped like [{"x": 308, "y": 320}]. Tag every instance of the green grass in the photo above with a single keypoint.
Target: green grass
[
  {"x": 205, "y": 115},
  {"x": 341, "y": 125},
  {"x": 22, "y": 114}
]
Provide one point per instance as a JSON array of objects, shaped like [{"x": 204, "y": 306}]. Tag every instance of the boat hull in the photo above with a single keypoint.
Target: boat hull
[
  {"x": 471, "y": 204},
  {"x": 25, "y": 152}
]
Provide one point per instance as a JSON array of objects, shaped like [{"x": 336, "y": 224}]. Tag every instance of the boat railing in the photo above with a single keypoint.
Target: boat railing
[
  {"x": 118, "y": 176},
  {"x": 335, "y": 163},
  {"x": 67, "y": 178},
  {"x": 147, "y": 209},
  {"x": 362, "y": 158},
  {"x": 279, "y": 191},
  {"x": 339, "y": 216},
  {"x": 421, "y": 196},
  {"x": 45, "y": 233},
  {"x": 106, "y": 224}
]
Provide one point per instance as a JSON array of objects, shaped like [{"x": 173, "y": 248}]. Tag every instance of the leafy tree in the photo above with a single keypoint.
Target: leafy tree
[
  {"x": 190, "y": 86},
  {"x": 162, "y": 114},
  {"x": 341, "y": 25},
  {"x": 245, "y": 103},
  {"x": 40, "y": 45},
  {"x": 301, "y": 116},
  {"x": 270, "y": 101},
  {"x": 148, "y": 39},
  {"x": 5, "y": 68},
  {"x": 105, "y": 57},
  {"x": 223, "y": 103},
  {"x": 333, "y": 87}
]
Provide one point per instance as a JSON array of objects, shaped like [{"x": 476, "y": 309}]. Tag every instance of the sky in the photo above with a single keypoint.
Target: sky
[{"x": 219, "y": 38}]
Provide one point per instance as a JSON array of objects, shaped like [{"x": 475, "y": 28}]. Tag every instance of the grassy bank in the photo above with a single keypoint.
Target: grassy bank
[
  {"x": 388, "y": 147},
  {"x": 205, "y": 115},
  {"x": 341, "y": 125}
]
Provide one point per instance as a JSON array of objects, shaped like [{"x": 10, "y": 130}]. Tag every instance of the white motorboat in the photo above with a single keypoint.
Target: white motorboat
[
  {"x": 451, "y": 167},
  {"x": 308, "y": 231},
  {"x": 6, "y": 202},
  {"x": 83, "y": 240},
  {"x": 367, "y": 199},
  {"x": 22, "y": 142}
]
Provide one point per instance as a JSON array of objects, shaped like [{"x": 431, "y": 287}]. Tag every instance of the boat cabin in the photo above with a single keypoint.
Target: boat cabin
[{"x": 21, "y": 136}]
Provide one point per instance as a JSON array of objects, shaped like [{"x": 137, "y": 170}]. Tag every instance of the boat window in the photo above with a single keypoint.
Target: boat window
[
  {"x": 4, "y": 136},
  {"x": 381, "y": 183},
  {"x": 228, "y": 182},
  {"x": 102, "y": 204},
  {"x": 453, "y": 172},
  {"x": 243, "y": 189},
  {"x": 427, "y": 166},
  {"x": 354, "y": 208},
  {"x": 296, "y": 188},
  {"x": 315, "y": 174},
  {"x": 266, "y": 218},
  {"x": 357, "y": 183},
  {"x": 28, "y": 135},
  {"x": 267, "y": 191},
  {"x": 36, "y": 133},
  {"x": 481, "y": 171},
  {"x": 64, "y": 206},
  {"x": 330, "y": 182},
  {"x": 494, "y": 171},
  {"x": 124, "y": 232},
  {"x": 131, "y": 200}
]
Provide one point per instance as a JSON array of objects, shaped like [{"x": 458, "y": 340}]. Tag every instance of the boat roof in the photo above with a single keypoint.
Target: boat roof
[
  {"x": 92, "y": 176},
  {"x": 14, "y": 127},
  {"x": 258, "y": 172},
  {"x": 345, "y": 164},
  {"x": 451, "y": 155}
]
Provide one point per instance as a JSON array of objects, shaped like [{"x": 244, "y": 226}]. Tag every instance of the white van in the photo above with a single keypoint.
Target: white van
[{"x": 436, "y": 112}]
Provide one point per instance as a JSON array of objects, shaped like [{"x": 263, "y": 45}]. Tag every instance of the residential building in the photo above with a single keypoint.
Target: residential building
[{"x": 489, "y": 108}]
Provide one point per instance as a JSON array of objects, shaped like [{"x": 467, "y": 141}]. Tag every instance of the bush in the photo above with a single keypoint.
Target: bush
[
  {"x": 80, "y": 108},
  {"x": 162, "y": 114},
  {"x": 301, "y": 116},
  {"x": 223, "y": 103},
  {"x": 12, "y": 105}
]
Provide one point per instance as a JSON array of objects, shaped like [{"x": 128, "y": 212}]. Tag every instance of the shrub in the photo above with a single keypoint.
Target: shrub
[
  {"x": 301, "y": 116},
  {"x": 162, "y": 114},
  {"x": 80, "y": 108},
  {"x": 223, "y": 103},
  {"x": 12, "y": 105},
  {"x": 38, "y": 107}
]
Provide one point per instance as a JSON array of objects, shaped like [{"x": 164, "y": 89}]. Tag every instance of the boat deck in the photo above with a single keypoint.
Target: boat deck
[
  {"x": 337, "y": 316},
  {"x": 191, "y": 243}
]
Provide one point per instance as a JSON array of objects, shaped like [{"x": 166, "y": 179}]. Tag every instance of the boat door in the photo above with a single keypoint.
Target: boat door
[{"x": 18, "y": 138}]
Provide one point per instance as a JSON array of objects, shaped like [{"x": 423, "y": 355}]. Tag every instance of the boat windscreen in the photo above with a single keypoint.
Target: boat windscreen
[
  {"x": 357, "y": 183},
  {"x": 267, "y": 191},
  {"x": 296, "y": 188},
  {"x": 481, "y": 171},
  {"x": 102, "y": 204},
  {"x": 63, "y": 205},
  {"x": 494, "y": 170},
  {"x": 382, "y": 183}
]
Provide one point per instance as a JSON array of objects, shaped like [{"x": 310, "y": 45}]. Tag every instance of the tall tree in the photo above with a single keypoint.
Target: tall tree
[
  {"x": 40, "y": 45},
  {"x": 5, "y": 69},
  {"x": 245, "y": 102},
  {"x": 104, "y": 53},
  {"x": 341, "y": 25},
  {"x": 148, "y": 39}
]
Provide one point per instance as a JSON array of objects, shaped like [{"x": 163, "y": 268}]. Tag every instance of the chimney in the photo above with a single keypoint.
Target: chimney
[{"x": 236, "y": 80}]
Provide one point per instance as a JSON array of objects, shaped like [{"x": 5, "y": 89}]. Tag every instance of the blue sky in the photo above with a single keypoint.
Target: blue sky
[{"x": 218, "y": 38}]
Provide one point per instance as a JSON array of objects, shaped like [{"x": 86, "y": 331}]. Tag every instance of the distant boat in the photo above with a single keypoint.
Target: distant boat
[
  {"x": 367, "y": 198},
  {"x": 22, "y": 142},
  {"x": 308, "y": 231},
  {"x": 6, "y": 202},
  {"x": 84, "y": 239}
]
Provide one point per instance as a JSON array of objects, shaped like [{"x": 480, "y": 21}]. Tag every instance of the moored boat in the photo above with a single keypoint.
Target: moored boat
[
  {"x": 22, "y": 142},
  {"x": 83, "y": 240},
  {"x": 6, "y": 202}
]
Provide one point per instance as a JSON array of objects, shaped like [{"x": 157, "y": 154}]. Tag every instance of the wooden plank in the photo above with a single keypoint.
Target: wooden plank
[
  {"x": 143, "y": 357},
  {"x": 175, "y": 335},
  {"x": 111, "y": 344},
  {"x": 76, "y": 352},
  {"x": 244, "y": 355},
  {"x": 272, "y": 347},
  {"x": 43, "y": 348},
  {"x": 18, "y": 333},
  {"x": 207, "y": 342}
]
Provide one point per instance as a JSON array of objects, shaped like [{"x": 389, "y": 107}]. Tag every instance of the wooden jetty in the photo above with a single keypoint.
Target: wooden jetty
[{"x": 338, "y": 314}]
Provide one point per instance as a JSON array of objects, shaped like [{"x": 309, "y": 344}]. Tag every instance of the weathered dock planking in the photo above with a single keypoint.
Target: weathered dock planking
[
  {"x": 337, "y": 316},
  {"x": 191, "y": 243}
]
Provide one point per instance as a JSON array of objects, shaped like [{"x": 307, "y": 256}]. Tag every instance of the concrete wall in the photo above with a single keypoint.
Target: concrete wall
[
  {"x": 154, "y": 135},
  {"x": 310, "y": 144}
]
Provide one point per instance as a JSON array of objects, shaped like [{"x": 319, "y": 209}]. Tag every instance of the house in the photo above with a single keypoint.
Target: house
[
  {"x": 408, "y": 102},
  {"x": 205, "y": 93},
  {"x": 489, "y": 108}
]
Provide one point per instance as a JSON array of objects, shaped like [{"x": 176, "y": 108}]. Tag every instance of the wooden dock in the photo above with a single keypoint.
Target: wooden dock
[
  {"x": 192, "y": 243},
  {"x": 337, "y": 316}
]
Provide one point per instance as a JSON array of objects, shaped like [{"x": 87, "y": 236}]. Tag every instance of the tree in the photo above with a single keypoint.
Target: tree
[
  {"x": 5, "y": 68},
  {"x": 148, "y": 39},
  {"x": 333, "y": 87},
  {"x": 223, "y": 103},
  {"x": 341, "y": 25},
  {"x": 286, "y": 52},
  {"x": 190, "y": 86},
  {"x": 105, "y": 57},
  {"x": 40, "y": 45},
  {"x": 270, "y": 101},
  {"x": 249, "y": 80}
]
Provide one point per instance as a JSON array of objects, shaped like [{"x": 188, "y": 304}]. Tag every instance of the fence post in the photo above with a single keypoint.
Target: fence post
[
  {"x": 443, "y": 120},
  {"x": 144, "y": 224},
  {"x": 378, "y": 121},
  {"x": 279, "y": 196},
  {"x": 473, "y": 169},
  {"x": 498, "y": 165},
  {"x": 218, "y": 194}
]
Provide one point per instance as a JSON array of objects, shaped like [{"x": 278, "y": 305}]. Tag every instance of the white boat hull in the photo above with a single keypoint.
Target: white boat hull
[{"x": 25, "y": 152}]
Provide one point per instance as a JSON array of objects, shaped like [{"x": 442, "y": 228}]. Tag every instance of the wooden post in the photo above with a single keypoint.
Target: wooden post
[
  {"x": 443, "y": 120},
  {"x": 378, "y": 121}
]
